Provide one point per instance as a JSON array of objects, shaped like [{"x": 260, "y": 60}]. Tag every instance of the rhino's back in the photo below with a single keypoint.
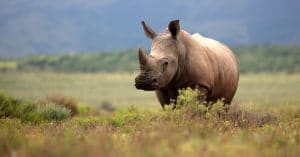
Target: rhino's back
[{"x": 214, "y": 45}]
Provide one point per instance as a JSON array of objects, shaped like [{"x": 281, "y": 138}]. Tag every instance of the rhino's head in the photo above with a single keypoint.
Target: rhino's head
[{"x": 158, "y": 69}]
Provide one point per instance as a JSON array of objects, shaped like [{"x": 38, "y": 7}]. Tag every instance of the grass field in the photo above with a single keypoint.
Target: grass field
[
  {"x": 94, "y": 89},
  {"x": 119, "y": 90},
  {"x": 265, "y": 122}
]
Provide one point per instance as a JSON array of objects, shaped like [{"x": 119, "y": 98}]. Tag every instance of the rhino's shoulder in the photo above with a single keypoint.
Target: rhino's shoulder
[
  {"x": 211, "y": 44},
  {"x": 206, "y": 42}
]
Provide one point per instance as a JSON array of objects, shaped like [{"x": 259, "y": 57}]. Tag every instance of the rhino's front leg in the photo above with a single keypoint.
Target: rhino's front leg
[{"x": 162, "y": 97}]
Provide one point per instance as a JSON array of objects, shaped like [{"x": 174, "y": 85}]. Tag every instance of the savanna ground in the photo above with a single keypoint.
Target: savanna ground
[{"x": 264, "y": 120}]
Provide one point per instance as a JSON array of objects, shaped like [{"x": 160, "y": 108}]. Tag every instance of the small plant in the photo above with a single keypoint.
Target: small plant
[
  {"x": 188, "y": 107},
  {"x": 188, "y": 98},
  {"x": 9, "y": 106},
  {"x": 31, "y": 112},
  {"x": 245, "y": 117},
  {"x": 47, "y": 113},
  {"x": 122, "y": 117},
  {"x": 66, "y": 102},
  {"x": 53, "y": 111},
  {"x": 84, "y": 109}
]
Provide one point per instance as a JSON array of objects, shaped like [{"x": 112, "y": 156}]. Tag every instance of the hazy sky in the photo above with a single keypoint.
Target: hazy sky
[{"x": 38, "y": 26}]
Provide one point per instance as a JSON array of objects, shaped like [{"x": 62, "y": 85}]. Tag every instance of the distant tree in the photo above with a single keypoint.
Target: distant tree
[{"x": 255, "y": 58}]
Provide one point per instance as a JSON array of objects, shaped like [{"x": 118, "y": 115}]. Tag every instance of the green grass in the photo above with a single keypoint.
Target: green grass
[
  {"x": 119, "y": 90},
  {"x": 95, "y": 89},
  {"x": 8, "y": 65},
  {"x": 265, "y": 120}
]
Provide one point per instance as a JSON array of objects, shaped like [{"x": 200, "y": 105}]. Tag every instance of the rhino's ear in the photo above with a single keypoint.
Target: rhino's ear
[
  {"x": 148, "y": 31},
  {"x": 142, "y": 57},
  {"x": 174, "y": 28}
]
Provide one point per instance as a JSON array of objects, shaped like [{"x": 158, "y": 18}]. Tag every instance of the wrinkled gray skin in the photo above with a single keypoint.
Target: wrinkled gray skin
[{"x": 179, "y": 60}]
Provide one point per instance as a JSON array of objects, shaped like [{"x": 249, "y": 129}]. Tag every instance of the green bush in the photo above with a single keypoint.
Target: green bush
[
  {"x": 47, "y": 113},
  {"x": 63, "y": 101},
  {"x": 84, "y": 109},
  {"x": 7, "y": 106},
  {"x": 122, "y": 117},
  {"x": 188, "y": 107},
  {"x": 53, "y": 111},
  {"x": 30, "y": 112},
  {"x": 10, "y": 107}
]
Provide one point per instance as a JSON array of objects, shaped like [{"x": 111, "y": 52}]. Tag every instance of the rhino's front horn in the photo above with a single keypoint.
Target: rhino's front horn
[{"x": 142, "y": 57}]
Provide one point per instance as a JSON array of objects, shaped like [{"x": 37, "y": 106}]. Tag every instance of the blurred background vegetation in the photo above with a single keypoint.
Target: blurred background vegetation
[{"x": 252, "y": 59}]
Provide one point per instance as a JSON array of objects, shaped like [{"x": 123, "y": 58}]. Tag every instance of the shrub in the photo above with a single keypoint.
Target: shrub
[
  {"x": 122, "y": 117},
  {"x": 244, "y": 117},
  {"x": 47, "y": 113},
  {"x": 187, "y": 104},
  {"x": 9, "y": 107},
  {"x": 188, "y": 107},
  {"x": 31, "y": 112},
  {"x": 66, "y": 102},
  {"x": 52, "y": 111},
  {"x": 84, "y": 109}
]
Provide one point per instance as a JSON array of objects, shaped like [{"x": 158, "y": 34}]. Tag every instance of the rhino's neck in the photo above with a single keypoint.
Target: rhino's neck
[
  {"x": 184, "y": 70},
  {"x": 181, "y": 68}
]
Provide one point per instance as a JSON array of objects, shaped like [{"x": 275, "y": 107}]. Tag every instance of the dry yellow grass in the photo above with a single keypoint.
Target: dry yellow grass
[{"x": 266, "y": 124}]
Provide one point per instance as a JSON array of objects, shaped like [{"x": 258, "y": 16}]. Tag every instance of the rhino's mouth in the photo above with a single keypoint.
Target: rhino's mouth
[
  {"x": 146, "y": 88},
  {"x": 147, "y": 85}
]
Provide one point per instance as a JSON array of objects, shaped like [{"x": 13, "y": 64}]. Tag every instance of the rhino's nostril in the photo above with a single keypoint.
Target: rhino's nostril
[{"x": 154, "y": 80}]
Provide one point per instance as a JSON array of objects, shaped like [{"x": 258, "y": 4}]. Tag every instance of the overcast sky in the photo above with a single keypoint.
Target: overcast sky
[{"x": 38, "y": 26}]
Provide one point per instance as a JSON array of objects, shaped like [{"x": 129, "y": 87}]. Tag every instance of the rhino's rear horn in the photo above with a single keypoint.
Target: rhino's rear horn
[{"x": 142, "y": 57}]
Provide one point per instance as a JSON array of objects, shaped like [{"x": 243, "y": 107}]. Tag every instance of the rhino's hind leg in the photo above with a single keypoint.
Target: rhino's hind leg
[{"x": 203, "y": 91}]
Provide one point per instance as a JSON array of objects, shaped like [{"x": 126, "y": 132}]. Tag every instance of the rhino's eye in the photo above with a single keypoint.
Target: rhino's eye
[
  {"x": 164, "y": 66},
  {"x": 166, "y": 63}
]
